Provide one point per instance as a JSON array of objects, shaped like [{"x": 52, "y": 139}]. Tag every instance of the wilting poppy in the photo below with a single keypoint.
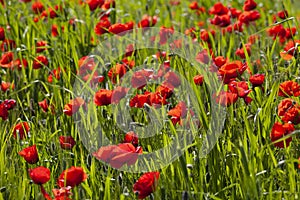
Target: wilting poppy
[
  {"x": 103, "y": 97},
  {"x": 146, "y": 184},
  {"x": 280, "y": 130},
  {"x": 66, "y": 142},
  {"x": 39, "y": 175},
  {"x": 289, "y": 88},
  {"x": 118, "y": 155},
  {"x": 73, "y": 106},
  {"x": 71, "y": 177},
  {"x": 44, "y": 105},
  {"x": 30, "y": 154},
  {"x": 289, "y": 111},
  {"x": 21, "y": 130}
]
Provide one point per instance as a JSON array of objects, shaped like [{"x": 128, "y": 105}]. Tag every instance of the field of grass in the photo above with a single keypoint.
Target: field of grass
[{"x": 209, "y": 89}]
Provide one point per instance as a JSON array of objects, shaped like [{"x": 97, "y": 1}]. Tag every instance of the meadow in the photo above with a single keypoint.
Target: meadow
[{"x": 149, "y": 99}]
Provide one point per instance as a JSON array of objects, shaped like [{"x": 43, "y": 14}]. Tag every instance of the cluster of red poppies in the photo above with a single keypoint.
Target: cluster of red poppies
[{"x": 289, "y": 113}]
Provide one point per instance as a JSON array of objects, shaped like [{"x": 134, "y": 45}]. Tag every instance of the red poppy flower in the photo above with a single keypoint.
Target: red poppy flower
[
  {"x": 73, "y": 106},
  {"x": 118, "y": 155},
  {"x": 249, "y": 5},
  {"x": 165, "y": 90},
  {"x": 40, "y": 175},
  {"x": 203, "y": 57},
  {"x": 147, "y": 21},
  {"x": 118, "y": 28},
  {"x": 30, "y": 154},
  {"x": 118, "y": 93},
  {"x": 40, "y": 61},
  {"x": 289, "y": 88},
  {"x": 257, "y": 79},
  {"x": 140, "y": 78},
  {"x": 241, "y": 52},
  {"x": 54, "y": 30},
  {"x": 164, "y": 34},
  {"x": 226, "y": 98},
  {"x": 94, "y": 4},
  {"x": 52, "y": 13},
  {"x": 3, "y": 111},
  {"x": 5, "y": 106},
  {"x": 41, "y": 46},
  {"x": 6, "y": 60},
  {"x": 219, "y": 61},
  {"x": 146, "y": 184},
  {"x": 54, "y": 73},
  {"x": 289, "y": 111},
  {"x": 7, "y": 45},
  {"x": 218, "y": 9},
  {"x": 221, "y": 20},
  {"x": 152, "y": 99},
  {"x": 2, "y": 34},
  {"x": 289, "y": 49},
  {"x": 178, "y": 112},
  {"x": 172, "y": 78},
  {"x": 108, "y": 4},
  {"x": 71, "y": 177},
  {"x": 102, "y": 26},
  {"x": 131, "y": 137},
  {"x": 20, "y": 63},
  {"x": 235, "y": 13},
  {"x": 37, "y": 7},
  {"x": 66, "y": 142},
  {"x": 116, "y": 72},
  {"x": 238, "y": 26},
  {"x": 21, "y": 130},
  {"x": 283, "y": 14},
  {"x": 103, "y": 97},
  {"x": 198, "y": 79},
  {"x": 249, "y": 16},
  {"x": 240, "y": 88},
  {"x": 62, "y": 193},
  {"x": 232, "y": 69},
  {"x": 280, "y": 130},
  {"x": 44, "y": 105},
  {"x": 6, "y": 85}
]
